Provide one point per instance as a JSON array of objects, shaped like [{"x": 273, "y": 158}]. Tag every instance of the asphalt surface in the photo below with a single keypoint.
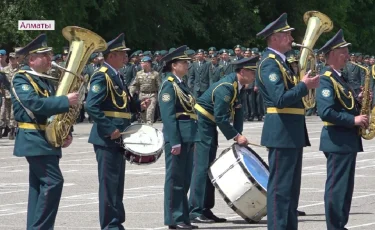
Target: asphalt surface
[{"x": 144, "y": 187}]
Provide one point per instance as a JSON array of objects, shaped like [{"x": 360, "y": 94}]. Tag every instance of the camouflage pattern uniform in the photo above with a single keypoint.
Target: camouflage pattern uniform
[
  {"x": 147, "y": 84},
  {"x": 6, "y": 113}
]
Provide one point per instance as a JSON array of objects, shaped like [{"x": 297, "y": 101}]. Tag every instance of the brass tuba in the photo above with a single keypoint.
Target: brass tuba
[
  {"x": 317, "y": 23},
  {"x": 83, "y": 43},
  {"x": 367, "y": 133}
]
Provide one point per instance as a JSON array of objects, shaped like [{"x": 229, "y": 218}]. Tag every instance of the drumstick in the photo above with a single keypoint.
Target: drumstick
[
  {"x": 129, "y": 132},
  {"x": 249, "y": 143},
  {"x": 136, "y": 143}
]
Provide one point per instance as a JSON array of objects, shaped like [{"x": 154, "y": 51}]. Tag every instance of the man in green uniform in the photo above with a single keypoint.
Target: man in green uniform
[
  {"x": 354, "y": 73},
  {"x": 215, "y": 70},
  {"x": 340, "y": 140},
  {"x": 199, "y": 80},
  {"x": 34, "y": 102},
  {"x": 284, "y": 130},
  {"x": 180, "y": 135},
  {"x": 216, "y": 108},
  {"x": 110, "y": 105},
  {"x": 225, "y": 62}
]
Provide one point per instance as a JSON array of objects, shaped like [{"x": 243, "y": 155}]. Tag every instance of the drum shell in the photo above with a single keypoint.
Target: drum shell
[
  {"x": 239, "y": 189},
  {"x": 138, "y": 154}
]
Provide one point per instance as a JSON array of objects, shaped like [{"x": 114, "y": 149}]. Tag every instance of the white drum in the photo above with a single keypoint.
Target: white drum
[
  {"x": 143, "y": 144},
  {"x": 241, "y": 176}
]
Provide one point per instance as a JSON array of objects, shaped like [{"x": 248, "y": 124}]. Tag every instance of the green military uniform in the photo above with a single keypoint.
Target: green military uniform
[
  {"x": 227, "y": 67},
  {"x": 34, "y": 103},
  {"x": 216, "y": 72},
  {"x": 216, "y": 107},
  {"x": 128, "y": 71},
  {"x": 340, "y": 140},
  {"x": 180, "y": 128},
  {"x": 284, "y": 131},
  {"x": 354, "y": 74},
  {"x": 110, "y": 105},
  {"x": 199, "y": 76}
]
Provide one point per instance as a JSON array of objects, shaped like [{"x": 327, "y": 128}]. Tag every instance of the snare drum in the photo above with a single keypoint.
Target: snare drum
[
  {"x": 241, "y": 177},
  {"x": 143, "y": 144}
]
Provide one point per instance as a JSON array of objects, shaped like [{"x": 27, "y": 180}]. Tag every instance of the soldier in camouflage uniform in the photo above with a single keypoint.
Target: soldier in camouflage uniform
[
  {"x": 147, "y": 83},
  {"x": 6, "y": 113}
]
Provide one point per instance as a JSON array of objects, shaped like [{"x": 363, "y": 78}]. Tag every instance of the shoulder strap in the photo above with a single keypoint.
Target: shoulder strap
[
  {"x": 103, "y": 69},
  {"x": 234, "y": 84},
  {"x": 328, "y": 74},
  {"x": 28, "y": 111}
]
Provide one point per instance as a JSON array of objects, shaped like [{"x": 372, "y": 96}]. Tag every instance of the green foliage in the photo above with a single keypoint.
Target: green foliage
[{"x": 162, "y": 24}]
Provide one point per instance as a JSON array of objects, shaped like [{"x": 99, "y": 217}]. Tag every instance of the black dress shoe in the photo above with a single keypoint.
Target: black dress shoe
[
  {"x": 181, "y": 226},
  {"x": 212, "y": 216},
  {"x": 301, "y": 213},
  {"x": 201, "y": 219}
]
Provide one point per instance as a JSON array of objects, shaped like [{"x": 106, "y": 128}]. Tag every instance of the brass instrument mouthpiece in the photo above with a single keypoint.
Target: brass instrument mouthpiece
[{"x": 296, "y": 44}]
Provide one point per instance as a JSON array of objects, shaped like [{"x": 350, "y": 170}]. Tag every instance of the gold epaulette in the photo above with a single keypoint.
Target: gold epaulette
[
  {"x": 103, "y": 69},
  {"x": 171, "y": 79},
  {"x": 272, "y": 56},
  {"x": 21, "y": 71},
  {"x": 327, "y": 73}
]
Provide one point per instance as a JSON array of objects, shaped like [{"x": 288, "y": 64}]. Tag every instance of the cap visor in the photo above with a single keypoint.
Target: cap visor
[
  {"x": 47, "y": 49},
  {"x": 345, "y": 45},
  {"x": 289, "y": 29}
]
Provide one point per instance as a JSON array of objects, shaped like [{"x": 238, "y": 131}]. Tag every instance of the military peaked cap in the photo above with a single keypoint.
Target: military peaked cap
[
  {"x": 38, "y": 45},
  {"x": 117, "y": 44},
  {"x": 335, "y": 42},
  {"x": 246, "y": 63},
  {"x": 279, "y": 25}
]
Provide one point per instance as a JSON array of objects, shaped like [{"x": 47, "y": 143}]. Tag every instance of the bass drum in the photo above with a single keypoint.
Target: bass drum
[
  {"x": 143, "y": 144},
  {"x": 241, "y": 177}
]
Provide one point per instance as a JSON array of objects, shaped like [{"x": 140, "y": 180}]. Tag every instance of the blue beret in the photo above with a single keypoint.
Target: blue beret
[
  {"x": 177, "y": 54},
  {"x": 145, "y": 59},
  {"x": 246, "y": 63},
  {"x": 279, "y": 25},
  {"x": 117, "y": 44},
  {"x": 3, "y": 52},
  {"x": 335, "y": 42},
  {"x": 38, "y": 45}
]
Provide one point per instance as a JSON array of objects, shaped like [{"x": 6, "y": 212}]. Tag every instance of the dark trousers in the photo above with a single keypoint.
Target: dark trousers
[
  {"x": 111, "y": 174},
  {"x": 177, "y": 182},
  {"x": 339, "y": 188},
  {"x": 202, "y": 192},
  {"x": 283, "y": 189},
  {"x": 45, "y": 189}
]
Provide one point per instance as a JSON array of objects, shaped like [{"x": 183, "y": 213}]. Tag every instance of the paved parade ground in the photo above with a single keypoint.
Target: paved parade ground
[{"x": 144, "y": 187}]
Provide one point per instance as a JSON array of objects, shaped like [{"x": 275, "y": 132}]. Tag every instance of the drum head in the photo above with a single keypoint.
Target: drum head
[
  {"x": 254, "y": 164},
  {"x": 143, "y": 139}
]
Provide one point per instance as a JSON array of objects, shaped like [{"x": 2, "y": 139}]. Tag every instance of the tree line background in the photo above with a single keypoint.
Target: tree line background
[{"x": 162, "y": 24}]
